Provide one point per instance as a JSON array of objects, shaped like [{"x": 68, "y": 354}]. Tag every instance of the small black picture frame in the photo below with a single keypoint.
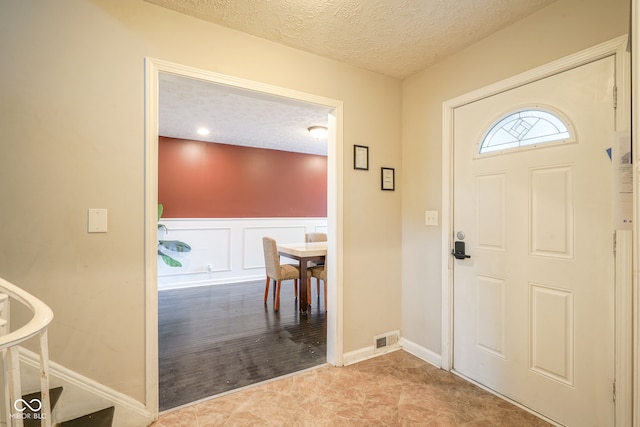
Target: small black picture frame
[
  {"x": 388, "y": 179},
  {"x": 361, "y": 157}
]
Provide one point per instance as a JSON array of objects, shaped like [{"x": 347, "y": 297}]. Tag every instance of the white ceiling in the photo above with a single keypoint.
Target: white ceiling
[
  {"x": 392, "y": 37},
  {"x": 238, "y": 116}
]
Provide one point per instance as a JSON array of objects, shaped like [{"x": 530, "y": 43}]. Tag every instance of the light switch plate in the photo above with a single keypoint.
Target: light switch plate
[
  {"x": 97, "y": 221},
  {"x": 431, "y": 218}
]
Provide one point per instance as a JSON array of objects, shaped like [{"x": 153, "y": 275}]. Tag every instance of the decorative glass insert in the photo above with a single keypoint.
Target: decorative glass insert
[{"x": 525, "y": 128}]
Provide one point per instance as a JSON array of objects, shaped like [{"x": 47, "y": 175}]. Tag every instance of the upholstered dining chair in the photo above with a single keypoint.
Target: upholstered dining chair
[
  {"x": 315, "y": 237},
  {"x": 276, "y": 271},
  {"x": 320, "y": 273}
]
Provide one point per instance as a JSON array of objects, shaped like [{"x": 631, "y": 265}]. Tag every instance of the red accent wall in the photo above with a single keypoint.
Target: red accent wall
[{"x": 206, "y": 180}]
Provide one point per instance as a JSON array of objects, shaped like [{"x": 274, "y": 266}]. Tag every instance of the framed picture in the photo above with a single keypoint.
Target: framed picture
[
  {"x": 388, "y": 179},
  {"x": 361, "y": 157}
]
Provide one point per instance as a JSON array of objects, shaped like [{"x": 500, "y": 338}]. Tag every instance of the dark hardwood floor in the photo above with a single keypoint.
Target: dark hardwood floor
[{"x": 213, "y": 339}]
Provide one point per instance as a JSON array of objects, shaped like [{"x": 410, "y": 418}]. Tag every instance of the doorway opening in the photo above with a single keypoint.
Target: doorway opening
[{"x": 155, "y": 69}]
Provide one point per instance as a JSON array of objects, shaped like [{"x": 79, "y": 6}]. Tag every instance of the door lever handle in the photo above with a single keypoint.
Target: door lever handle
[{"x": 459, "y": 251}]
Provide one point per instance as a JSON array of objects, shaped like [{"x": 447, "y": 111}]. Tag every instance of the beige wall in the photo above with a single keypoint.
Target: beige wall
[
  {"x": 72, "y": 84},
  {"x": 72, "y": 102},
  {"x": 560, "y": 29}
]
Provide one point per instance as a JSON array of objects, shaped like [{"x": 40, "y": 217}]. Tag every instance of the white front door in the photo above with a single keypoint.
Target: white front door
[{"x": 534, "y": 303}]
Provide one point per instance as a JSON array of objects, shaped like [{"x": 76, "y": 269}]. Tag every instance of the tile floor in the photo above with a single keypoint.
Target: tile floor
[{"x": 396, "y": 389}]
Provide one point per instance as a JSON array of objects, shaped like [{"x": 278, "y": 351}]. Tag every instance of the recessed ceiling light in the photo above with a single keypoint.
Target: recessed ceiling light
[{"x": 203, "y": 131}]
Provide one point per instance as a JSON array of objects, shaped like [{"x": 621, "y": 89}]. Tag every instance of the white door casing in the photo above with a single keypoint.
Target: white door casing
[{"x": 153, "y": 67}]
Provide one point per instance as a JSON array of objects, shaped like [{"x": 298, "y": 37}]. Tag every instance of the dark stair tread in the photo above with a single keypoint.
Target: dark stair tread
[
  {"x": 54, "y": 395},
  {"x": 102, "y": 418},
  {"x": 30, "y": 420}
]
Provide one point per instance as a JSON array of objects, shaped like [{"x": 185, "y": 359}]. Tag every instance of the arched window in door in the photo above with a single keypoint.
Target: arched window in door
[{"x": 527, "y": 128}]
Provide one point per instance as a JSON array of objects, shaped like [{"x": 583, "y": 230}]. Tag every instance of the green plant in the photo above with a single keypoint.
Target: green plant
[{"x": 169, "y": 245}]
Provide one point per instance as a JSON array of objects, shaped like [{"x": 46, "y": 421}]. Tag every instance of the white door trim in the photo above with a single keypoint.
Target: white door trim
[
  {"x": 624, "y": 329},
  {"x": 635, "y": 101},
  {"x": 334, "y": 209}
]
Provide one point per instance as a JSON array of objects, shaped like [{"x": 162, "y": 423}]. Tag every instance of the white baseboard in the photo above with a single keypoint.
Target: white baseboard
[
  {"x": 358, "y": 355},
  {"x": 209, "y": 282},
  {"x": 368, "y": 352},
  {"x": 82, "y": 395},
  {"x": 421, "y": 352}
]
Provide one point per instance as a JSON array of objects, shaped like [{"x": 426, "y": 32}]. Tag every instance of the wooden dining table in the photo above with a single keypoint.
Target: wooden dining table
[{"x": 303, "y": 253}]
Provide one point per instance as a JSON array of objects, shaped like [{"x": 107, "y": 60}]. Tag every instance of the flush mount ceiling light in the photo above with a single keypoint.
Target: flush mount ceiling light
[
  {"x": 203, "y": 131},
  {"x": 318, "y": 131}
]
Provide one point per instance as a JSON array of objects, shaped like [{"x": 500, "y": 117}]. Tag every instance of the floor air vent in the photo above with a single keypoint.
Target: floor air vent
[{"x": 386, "y": 342}]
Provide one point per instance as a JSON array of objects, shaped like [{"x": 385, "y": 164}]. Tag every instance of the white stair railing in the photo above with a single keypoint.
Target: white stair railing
[{"x": 15, "y": 406}]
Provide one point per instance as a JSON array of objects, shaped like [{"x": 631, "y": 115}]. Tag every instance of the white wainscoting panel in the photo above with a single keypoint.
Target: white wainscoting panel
[{"x": 227, "y": 250}]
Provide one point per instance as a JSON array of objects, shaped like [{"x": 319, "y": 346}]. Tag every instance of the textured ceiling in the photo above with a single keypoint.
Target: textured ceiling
[
  {"x": 392, "y": 37},
  {"x": 237, "y": 116}
]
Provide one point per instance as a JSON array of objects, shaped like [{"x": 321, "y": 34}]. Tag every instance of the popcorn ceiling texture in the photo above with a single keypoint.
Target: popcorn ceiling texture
[
  {"x": 237, "y": 116},
  {"x": 392, "y": 37}
]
